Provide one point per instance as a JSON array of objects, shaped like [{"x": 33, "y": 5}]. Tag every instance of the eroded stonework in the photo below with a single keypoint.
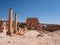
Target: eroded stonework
[{"x": 32, "y": 23}]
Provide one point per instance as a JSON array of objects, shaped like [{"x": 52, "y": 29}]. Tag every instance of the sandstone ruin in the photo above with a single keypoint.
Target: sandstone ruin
[
  {"x": 10, "y": 31},
  {"x": 33, "y": 23},
  {"x": 15, "y": 24},
  {"x": 30, "y": 24},
  {"x": 25, "y": 33}
]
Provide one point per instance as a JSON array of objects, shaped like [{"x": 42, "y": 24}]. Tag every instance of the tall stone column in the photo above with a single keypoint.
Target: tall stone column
[
  {"x": 10, "y": 31},
  {"x": 15, "y": 24}
]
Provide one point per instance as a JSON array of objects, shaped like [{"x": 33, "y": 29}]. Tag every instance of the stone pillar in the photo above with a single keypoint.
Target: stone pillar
[
  {"x": 10, "y": 31},
  {"x": 15, "y": 24}
]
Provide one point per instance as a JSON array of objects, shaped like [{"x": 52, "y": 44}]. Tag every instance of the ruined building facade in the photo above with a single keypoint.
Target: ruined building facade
[{"x": 33, "y": 23}]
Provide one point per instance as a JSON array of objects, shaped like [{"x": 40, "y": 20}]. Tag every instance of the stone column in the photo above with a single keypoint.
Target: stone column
[
  {"x": 15, "y": 24},
  {"x": 10, "y": 31}
]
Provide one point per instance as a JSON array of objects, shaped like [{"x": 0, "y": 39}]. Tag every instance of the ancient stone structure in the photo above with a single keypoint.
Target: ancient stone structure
[
  {"x": 2, "y": 25},
  {"x": 32, "y": 23},
  {"x": 10, "y": 31},
  {"x": 15, "y": 24}
]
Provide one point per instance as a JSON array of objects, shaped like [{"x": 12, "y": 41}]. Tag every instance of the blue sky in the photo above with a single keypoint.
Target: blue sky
[{"x": 47, "y": 11}]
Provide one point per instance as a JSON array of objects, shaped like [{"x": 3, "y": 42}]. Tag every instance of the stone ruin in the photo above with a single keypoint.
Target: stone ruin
[
  {"x": 50, "y": 27},
  {"x": 10, "y": 22},
  {"x": 33, "y": 23},
  {"x": 13, "y": 29}
]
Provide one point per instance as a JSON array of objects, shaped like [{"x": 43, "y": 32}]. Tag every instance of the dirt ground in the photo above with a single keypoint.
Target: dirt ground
[{"x": 31, "y": 38}]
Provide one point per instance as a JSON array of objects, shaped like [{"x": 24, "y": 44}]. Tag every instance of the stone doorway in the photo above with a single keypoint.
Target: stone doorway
[{"x": 32, "y": 26}]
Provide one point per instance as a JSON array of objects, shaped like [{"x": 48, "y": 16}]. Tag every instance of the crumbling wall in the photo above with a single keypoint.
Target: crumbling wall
[{"x": 29, "y": 21}]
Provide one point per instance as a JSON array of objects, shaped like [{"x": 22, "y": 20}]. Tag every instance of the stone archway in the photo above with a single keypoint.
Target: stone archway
[{"x": 32, "y": 23}]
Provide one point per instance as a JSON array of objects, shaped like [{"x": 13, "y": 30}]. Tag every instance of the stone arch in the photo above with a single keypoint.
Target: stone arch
[{"x": 35, "y": 22}]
